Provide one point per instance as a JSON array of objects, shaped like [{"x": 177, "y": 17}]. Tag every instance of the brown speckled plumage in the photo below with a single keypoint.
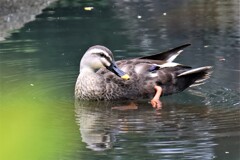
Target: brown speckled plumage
[{"x": 96, "y": 82}]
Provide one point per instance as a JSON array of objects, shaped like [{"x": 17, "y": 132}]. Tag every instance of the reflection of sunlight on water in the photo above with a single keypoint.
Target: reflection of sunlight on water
[
  {"x": 32, "y": 124},
  {"x": 23, "y": 131}
]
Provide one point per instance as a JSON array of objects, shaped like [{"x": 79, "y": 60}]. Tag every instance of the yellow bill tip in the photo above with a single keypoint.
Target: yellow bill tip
[{"x": 125, "y": 77}]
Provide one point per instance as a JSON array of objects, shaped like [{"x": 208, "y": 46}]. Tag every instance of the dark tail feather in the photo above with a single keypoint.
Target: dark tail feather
[
  {"x": 169, "y": 55},
  {"x": 193, "y": 77}
]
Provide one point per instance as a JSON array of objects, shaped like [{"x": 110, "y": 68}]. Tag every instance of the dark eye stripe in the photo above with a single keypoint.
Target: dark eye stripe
[{"x": 103, "y": 55}]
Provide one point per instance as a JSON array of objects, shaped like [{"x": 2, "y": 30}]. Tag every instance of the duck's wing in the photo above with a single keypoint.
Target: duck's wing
[
  {"x": 172, "y": 77},
  {"x": 152, "y": 62},
  {"x": 167, "y": 56},
  {"x": 159, "y": 69},
  {"x": 145, "y": 74}
]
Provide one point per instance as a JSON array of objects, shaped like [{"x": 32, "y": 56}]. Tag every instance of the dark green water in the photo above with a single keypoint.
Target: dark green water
[{"x": 39, "y": 64}]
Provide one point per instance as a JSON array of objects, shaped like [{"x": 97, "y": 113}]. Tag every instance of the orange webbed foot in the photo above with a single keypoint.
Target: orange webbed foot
[{"x": 156, "y": 103}]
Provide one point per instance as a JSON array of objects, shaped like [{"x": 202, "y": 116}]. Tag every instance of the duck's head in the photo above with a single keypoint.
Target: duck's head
[{"x": 97, "y": 57}]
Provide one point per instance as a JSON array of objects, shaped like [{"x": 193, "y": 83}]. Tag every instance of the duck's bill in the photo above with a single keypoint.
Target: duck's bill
[{"x": 114, "y": 68}]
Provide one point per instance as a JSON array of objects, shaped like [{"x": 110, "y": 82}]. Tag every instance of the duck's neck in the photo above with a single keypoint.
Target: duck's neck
[
  {"x": 86, "y": 70},
  {"x": 88, "y": 74},
  {"x": 88, "y": 84}
]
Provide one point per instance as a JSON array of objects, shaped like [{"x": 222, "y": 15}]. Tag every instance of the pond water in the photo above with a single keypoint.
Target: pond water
[{"x": 39, "y": 64}]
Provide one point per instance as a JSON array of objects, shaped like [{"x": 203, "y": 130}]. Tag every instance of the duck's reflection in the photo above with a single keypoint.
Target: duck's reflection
[
  {"x": 96, "y": 121},
  {"x": 101, "y": 123}
]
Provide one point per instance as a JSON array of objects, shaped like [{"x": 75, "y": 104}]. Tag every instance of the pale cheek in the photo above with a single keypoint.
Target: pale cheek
[
  {"x": 105, "y": 62},
  {"x": 96, "y": 64}
]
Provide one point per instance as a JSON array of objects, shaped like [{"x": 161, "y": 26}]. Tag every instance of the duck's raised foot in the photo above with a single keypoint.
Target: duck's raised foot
[{"x": 156, "y": 103}]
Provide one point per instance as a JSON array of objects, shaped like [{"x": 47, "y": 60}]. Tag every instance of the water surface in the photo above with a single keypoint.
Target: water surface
[{"x": 39, "y": 64}]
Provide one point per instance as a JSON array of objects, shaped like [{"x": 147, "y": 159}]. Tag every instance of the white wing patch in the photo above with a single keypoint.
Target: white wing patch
[
  {"x": 155, "y": 74},
  {"x": 174, "y": 56},
  {"x": 168, "y": 64},
  {"x": 194, "y": 70}
]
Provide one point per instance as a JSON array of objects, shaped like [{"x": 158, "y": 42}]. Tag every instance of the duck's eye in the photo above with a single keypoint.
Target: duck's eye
[{"x": 102, "y": 55}]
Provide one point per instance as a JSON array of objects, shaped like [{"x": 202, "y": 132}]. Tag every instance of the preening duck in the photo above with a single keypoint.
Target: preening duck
[{"x": 101, "y": 78}]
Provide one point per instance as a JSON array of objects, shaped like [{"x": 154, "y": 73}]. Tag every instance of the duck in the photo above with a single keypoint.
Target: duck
[{"x": 101, "y": 78}]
